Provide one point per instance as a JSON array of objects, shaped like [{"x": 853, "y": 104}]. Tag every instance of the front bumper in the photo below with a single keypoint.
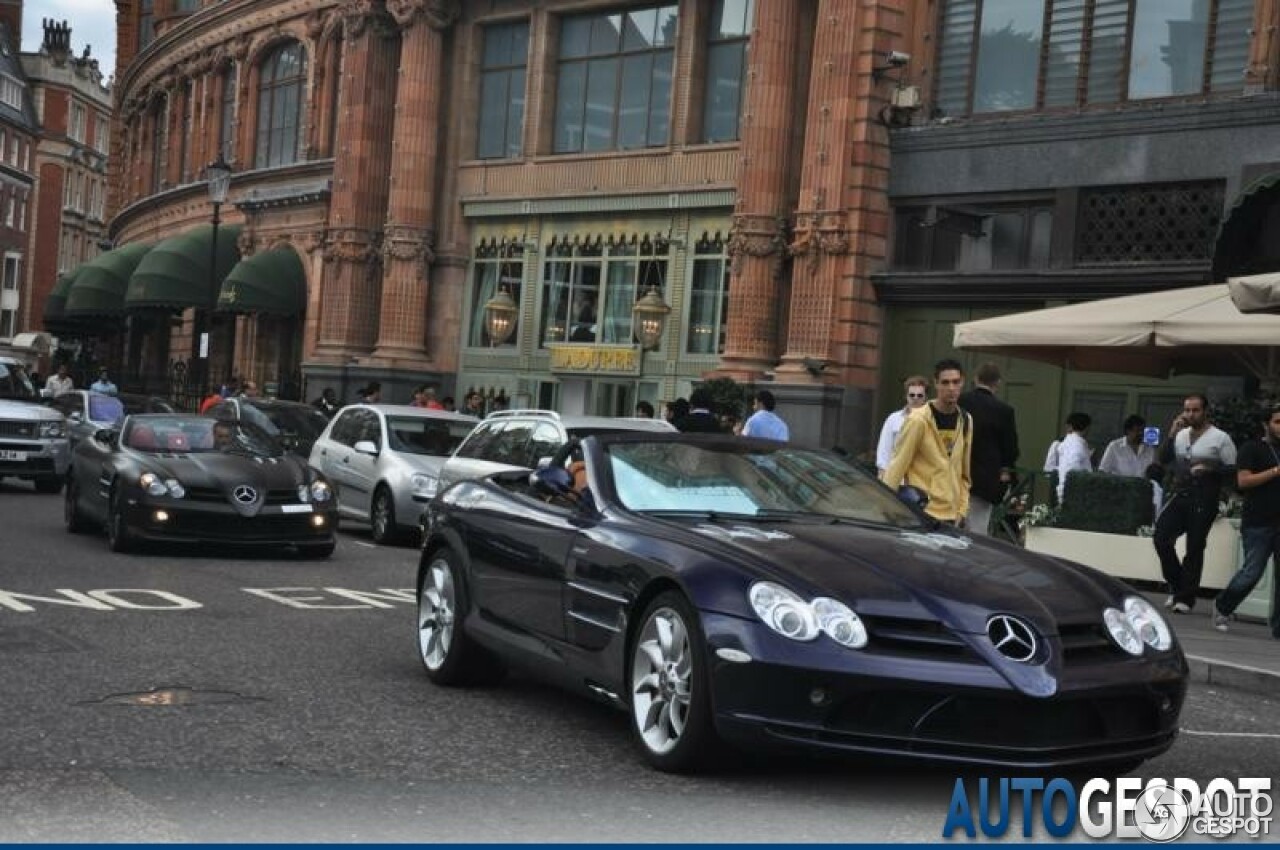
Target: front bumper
[
  {"x": 212, "y": 522},
  {"x": 34, "y": 458},
  {"x": 821, "y": 696}
]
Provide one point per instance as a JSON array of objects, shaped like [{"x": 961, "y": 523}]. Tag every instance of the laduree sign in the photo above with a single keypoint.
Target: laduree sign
[{"x": 595, "y": 359}]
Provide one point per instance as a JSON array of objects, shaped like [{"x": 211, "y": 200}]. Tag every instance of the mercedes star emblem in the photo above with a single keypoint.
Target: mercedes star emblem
[
  {"x": 1012, "y": 638},
  {"x": 245, "y": 495}
]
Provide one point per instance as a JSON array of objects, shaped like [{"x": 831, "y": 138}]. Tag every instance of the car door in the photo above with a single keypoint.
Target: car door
[
  {"x": 362, "y": 469},
  {"x": 330, "y": 452}
]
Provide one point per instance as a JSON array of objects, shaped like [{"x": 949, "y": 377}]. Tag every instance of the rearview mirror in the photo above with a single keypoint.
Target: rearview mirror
[
  {"x": 366, "y": 447},
  {"x": 75, "y": 417},
  {"x": 551, "y": 481},
  {"x": 913, "y": 496},
  {"x": 543, "y": 463}
]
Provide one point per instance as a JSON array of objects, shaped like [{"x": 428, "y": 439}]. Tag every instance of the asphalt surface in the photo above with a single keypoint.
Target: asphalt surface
[{"x": 212, "y": 696}]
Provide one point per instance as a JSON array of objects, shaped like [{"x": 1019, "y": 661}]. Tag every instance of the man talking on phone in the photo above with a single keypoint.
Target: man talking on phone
[{"x": 1201, "y": 455}]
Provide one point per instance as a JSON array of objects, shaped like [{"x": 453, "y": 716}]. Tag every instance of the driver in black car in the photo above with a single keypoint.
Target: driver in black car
[{"x": 223, "y": 436}]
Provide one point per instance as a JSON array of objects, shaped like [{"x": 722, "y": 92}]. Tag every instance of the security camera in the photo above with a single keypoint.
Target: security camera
[{"x": 897, "y": 59}]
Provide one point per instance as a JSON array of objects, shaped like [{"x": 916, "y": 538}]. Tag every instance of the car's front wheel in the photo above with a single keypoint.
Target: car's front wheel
[
  {"x": 449, "y": 656},
  {"x": 382, "y": 517},
  {"x": 71, "y": 514},
  {"x": 669, "y": 687},
  {"x": 119, "y": 537}
]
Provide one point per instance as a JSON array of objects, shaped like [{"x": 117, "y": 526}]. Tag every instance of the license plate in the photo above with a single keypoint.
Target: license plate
[
  {"x": 295, "y": 509},
  {"x": 8, "y": 454}
]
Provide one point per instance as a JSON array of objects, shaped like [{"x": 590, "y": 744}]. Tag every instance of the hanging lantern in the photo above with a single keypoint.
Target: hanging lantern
[
  {"x": 650, "y": 314},
  {"x": 500, "y": 313}
]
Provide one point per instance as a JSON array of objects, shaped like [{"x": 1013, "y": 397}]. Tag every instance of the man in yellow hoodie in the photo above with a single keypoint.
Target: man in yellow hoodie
[{"x": 932, "y": 450}]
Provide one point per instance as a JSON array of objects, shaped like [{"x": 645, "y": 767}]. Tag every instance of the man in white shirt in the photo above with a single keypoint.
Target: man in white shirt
[
  {"x": 104, "y": 384},
  {"x": 60, "y": 383},
  {"x": 764, "y": 423},
  {"x": 916, "y": 388},
  {"x": 1074, "y": 453},
  {"x": 1128, "y": 455}
]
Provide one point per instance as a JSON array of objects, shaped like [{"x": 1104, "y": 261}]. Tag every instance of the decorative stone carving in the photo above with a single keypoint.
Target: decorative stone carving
[
  {"x": 437, "y": 14},
  {"x": 311, "y": 241},
  {"x": 352, "y": 245},
  {"x": 314, "y": 23},
  {"x": 245, "y": 242},
  {"x": 359, "y": 16},
  {"x": 238, "y": 48},
  {"x": 410, "y": 244},
  {"x": 817, "y": 233},
  {"x": 757, "y": 236}
]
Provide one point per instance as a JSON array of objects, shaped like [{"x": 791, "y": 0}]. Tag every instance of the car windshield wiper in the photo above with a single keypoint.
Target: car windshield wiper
[{"x": 733, "y": 516}]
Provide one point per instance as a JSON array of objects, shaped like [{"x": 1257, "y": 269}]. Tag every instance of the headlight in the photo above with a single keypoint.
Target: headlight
[
  {"x": 151, "y": 483},
  {"x": 51, "y": 429},
  {"x": 1147, "y": 623},
  {"x": 320, "y": 491},
  {"x": 839, "y": 622},
  {"x": 423, "y": 484},
  {"x": 304, "y": 493},
  {"x": 176, "y": 490},
  {"x": 1121, "y": 631},
  {"x": 783, "y": 611}
]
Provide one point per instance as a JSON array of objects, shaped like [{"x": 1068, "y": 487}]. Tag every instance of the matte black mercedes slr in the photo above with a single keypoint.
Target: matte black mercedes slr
[
  {"x": 728, "y": 590},
  {"x": 174, "y": 477}
]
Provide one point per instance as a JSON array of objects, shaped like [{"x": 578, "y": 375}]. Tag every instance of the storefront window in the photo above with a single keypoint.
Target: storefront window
[
  {"x": 590, "y": 286},
  {"x": 708, "y": 296},
  {"x": 498, "y": 265}
]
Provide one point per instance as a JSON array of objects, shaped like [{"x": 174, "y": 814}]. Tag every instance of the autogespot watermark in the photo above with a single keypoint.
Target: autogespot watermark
[{"x": 1155, "y": 809}]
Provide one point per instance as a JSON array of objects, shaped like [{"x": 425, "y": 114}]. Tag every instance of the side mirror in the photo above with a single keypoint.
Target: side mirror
[
  {"x": 106, "y": 436},
  {"x": 913, "y": 496},
  {"x": 543, "y": 463},
  {"x": 46, "y": 394},
  {"x": 74, "y": 417},
  {"x": 551, "y": 481},
  {"x": 366, "y": 447}
]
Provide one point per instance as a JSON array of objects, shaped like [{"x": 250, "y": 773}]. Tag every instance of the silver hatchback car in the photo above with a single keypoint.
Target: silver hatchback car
[{"x": 384, "y": 460}]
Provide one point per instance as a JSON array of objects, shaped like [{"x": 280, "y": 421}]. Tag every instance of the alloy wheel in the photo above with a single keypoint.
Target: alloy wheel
[
  {"x": 661, "y": 680},
  {"x": 382, "y": 516},
  {"x": 437, "y": 603}
]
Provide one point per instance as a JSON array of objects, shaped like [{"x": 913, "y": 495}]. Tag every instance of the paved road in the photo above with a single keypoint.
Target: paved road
[{"x": 214, "y": 697}]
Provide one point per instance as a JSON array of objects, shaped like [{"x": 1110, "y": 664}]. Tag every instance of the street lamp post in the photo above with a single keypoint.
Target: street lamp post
[{"x": 218, "y": 177}]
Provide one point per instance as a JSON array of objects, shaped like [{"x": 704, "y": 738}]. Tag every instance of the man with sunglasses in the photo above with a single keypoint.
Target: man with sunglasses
[
  {"x": 1201, "y": 456},
  {"x": 916, "y": 388},
  {"x": 995, "y": 446}
]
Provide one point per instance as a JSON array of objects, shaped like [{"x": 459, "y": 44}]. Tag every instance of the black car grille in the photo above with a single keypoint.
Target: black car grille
[
  {"x": 1081, "y": 642},
  {"x": 17, "y": 428},
  {"x": 248, "y": 529},
  {"x": 213, "y": 494},
  {"x": 1085, "y": 642},
  {"x": 22, "y": 447},
  {"x": 31, "y": 465}
]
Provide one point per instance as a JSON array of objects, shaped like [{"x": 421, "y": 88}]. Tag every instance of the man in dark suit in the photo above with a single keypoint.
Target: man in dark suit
[
  {"x": 699, "y": 419},
  {"x": 995, "y": 446}
]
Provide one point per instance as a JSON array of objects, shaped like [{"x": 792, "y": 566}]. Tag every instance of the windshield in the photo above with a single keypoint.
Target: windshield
[
  {"x": 421, "y": 435},
  {"x": 735, "y": 480},
  {"x": 305, "y": 423},
  {"x": 105, "y": 408},
  {"x": 14, "y": 382},
  {"x": 197, "y": 435}
]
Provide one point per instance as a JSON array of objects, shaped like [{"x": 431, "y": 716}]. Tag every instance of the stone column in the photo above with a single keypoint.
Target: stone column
[
  {"x": 409, "y": 233},
  {"x": 358, "y": 202},
  {"x": 833, "y": 333},
  {"x": 758, "y": 241}
]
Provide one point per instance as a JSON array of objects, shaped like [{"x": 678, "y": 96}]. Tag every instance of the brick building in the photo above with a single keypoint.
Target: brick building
[
  {"x": 19, "y": 132},
  {"x": 66, "y": 223},
  {"x": 812, "y": 214}
]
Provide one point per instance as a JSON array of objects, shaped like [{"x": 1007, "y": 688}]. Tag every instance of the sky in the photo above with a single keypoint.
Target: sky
[{"x": 92, "y": 22}]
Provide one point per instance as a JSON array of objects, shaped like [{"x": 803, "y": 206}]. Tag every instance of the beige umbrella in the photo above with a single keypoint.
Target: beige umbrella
[
  {"x": 1195, "y": 330},
  {"x": 1259, "y": 293}
]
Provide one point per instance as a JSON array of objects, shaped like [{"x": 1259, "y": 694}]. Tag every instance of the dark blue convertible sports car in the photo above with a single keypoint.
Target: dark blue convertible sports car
[{"x": 722, "y": 589}]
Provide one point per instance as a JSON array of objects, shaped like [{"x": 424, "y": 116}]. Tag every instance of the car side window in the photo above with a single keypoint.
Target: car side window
[
  {"x": 544, "y": 442},
  {"x": 347, "y": 429},
  {"x": 371, "y": 428},
  {"x": 512, "y": 446},
  {"x": 478, "y": 441},
  {"x": 225, "y": 410}
]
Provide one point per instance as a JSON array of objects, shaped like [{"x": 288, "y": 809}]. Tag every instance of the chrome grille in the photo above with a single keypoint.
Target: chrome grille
[{"x": 17, "y": 428}]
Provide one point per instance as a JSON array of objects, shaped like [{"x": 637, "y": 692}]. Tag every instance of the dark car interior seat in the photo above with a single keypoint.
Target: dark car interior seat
[{"x": 143, "y": 437}]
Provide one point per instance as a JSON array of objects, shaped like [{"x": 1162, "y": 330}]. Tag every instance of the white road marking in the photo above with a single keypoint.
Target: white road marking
[
  {"x": 365, "y": 545},
  {"x": 1274, "y": 735}
]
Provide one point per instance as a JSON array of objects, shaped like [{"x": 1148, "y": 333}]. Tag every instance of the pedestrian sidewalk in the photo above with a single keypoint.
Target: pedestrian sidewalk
[{"x": 1245, "y": 657}]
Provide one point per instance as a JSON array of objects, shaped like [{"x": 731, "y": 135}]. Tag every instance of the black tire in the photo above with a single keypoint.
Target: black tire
[
  {"x": 50, "y": 484},
  {"x": 118, "y": 537},
  {"x": 317, "y": 551},
  {"x": 662, "y": 688},
  {"x": 447, "y": 654},
  {"x": 71, "y": 514},
  {"x": 382, "y": 516}
]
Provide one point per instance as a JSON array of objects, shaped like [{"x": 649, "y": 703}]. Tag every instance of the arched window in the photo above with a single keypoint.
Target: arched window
[
  {"x": 227, "y": 118},
  {"x": 280, "y": 103},
  {"x": 159, "y": 142}
]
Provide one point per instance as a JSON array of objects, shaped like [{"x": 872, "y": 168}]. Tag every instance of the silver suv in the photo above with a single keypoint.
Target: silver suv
[
  {"x": 33, "y": 438},
  {"x": 520, "y": 439}
]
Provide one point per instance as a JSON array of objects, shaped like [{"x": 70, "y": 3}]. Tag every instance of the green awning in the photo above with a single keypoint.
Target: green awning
[
  {"x": 55, "y": 306},
  {"x": 100, "y": 284},
  {"x": 272, "y": 282},
  {"x": 175, "y": 273},
  {"x": 1236, "y": 247}
]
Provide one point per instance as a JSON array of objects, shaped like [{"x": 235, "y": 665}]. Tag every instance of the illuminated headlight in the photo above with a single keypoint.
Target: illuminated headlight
[
  {"x": 1121, "y": 631},
  {"x": 49, "y": 430},
  {"x": 1147, "y": 623},
  {"x": 151, "y": 483},
  {"x": 423, "y": 484},
  {"x": 320, "y": 491},
  {"x": 839, "y": 622},
  {"x": 176, "y": 490},
  {"x": 783, "y": 611},
  {"x": 304, "y": 493}
]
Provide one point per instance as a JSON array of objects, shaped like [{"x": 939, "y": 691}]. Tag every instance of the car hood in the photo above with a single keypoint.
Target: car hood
[
  {"x": 29, "y": 411},
  {"x": 214, "y": 473},
  {"x": 956, "y": 579},
  {"x": 429, "y": 464}
]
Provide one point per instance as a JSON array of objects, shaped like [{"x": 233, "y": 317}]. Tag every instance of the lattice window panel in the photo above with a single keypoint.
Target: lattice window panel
[{"x": 1175, "y": 222}]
